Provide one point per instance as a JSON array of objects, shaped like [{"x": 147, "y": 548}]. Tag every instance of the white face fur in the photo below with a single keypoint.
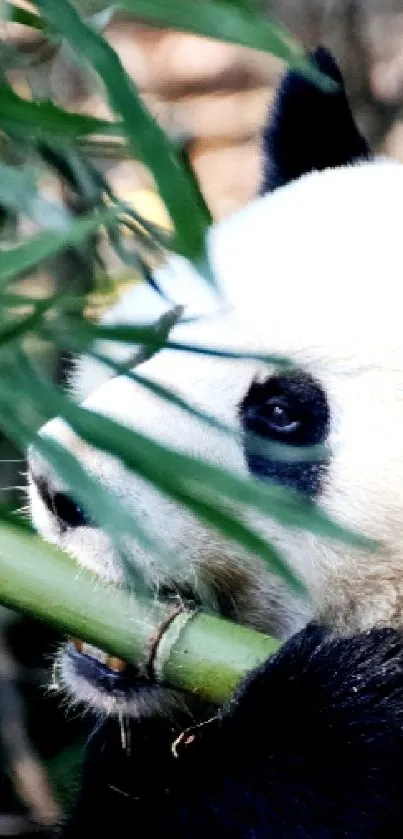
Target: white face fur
[{"x": 312, "y": 271}]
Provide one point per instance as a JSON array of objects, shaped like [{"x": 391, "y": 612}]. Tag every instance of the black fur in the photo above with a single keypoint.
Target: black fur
[
  {"x": 310, "y": 748},
  {"x": 310, "y": 128},
  {"x": 62, "y": 506},
  {"x": 305, "y": 402}
]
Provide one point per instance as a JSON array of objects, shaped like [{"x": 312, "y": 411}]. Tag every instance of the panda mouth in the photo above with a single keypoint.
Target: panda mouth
[
  {"x": 112, "y": 676},
  {"x": 107, "y": 673},
  {"x": 105, "y": 682},
  {"x": 108, "y": 662}
]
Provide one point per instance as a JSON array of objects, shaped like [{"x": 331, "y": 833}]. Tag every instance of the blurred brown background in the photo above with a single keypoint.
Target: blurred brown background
[{"x": 216, "y": 97}]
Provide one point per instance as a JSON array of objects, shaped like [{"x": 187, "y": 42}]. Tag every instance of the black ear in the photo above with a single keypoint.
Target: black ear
[{"x": 310, "y": 128}]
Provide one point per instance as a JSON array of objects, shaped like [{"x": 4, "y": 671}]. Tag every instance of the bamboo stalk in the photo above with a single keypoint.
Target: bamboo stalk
[{"x": 191, "y": 651}]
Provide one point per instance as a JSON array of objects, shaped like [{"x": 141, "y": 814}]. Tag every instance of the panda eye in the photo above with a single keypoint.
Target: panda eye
[
  {"x": 278, "y": 417},
  {"x": 290, "y": 408},
  {"x": 68, "y": 511}
]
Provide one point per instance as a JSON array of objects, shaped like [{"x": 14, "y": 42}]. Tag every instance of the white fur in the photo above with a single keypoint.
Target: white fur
[{"x": 313, "y": 271}]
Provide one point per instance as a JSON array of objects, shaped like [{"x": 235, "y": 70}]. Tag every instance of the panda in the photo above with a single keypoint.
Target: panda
[{"x": 311, "y": 744}]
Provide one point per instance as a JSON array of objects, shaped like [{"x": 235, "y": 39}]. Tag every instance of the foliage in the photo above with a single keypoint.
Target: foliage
[
  {"x": 38, "y": 136},
  {"x": 68, "y": 235}
]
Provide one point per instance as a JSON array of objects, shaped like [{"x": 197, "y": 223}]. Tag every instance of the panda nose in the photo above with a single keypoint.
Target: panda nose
[{"x": 68, "y": 512}]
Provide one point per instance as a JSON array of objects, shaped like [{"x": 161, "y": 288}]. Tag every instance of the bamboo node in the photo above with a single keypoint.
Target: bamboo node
[{"x": 163, "y": 640}]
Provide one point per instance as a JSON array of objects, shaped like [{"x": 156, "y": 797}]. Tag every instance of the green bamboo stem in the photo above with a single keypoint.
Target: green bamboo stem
[{"x": 194, "y": 652}]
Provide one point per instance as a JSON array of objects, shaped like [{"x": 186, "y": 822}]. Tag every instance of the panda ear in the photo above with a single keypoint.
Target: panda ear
[{"x": 310, "y": 128}]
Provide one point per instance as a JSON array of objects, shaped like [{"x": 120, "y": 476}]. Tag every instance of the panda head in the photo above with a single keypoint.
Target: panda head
[{"x": 311, "y": 270}]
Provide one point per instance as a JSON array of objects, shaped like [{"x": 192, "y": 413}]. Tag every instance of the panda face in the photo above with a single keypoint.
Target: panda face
[{"x": 310, "y": 271}]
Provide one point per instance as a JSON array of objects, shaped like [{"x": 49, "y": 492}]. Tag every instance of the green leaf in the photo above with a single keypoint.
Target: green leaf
[
  {"x": 103, "y": 506},
  {"x": 166, "y": 469},
  {"x": 20, "y": 326},
  {"x": 206, "y": 489},
  {"x": 232, "y": 526},
  {"x": 277, "y": 451},
  {"x": 17, "y": 260},
  {"x": 80, "y": 334},
  {"x": 234, "y": 22},
  {"x": 283, "y": 504},
  {"x": 221, "y": 20},
  {"x": 147, "y": 140},
  {"x": 16, "y": 14},
  {"x": 152, "y": 339},
  {"x": 43, "y": 120}
]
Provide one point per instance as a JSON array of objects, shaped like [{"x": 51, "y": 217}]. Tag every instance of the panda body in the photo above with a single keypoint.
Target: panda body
[{"x": 311, "y": 744}]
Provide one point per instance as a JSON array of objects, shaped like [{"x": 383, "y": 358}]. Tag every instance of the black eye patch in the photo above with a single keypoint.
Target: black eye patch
[
  {"x": 68, "y": 513},
  {"x": 289, "y": 408}
]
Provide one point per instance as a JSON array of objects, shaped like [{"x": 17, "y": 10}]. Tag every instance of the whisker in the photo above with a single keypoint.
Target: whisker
[{"x": 23, "y": 511}]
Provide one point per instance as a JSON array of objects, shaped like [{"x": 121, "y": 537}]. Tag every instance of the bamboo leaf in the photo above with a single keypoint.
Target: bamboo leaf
[
  {"x": 277, "y": 451},
  {"x": 81, "y": 334},
  {"x": 44, "y": 120},
  {"x": 104, "y": 507},
  {"x": 17, "y": 14},
  {"x": 221, "y": 20},
  {"x": 237, "y": 22},
  {"x": 17, "y": 260},
  {"x": 152, "y": 466},
  {"x": 195, "y": 482},
  {"x": 140, "y": 454},
  {"x": 168, "y": 468},
  {"x": 148, "y": 142},
  {"x": 215, "y": 514},
  {"x": 20, "y": 326}
]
